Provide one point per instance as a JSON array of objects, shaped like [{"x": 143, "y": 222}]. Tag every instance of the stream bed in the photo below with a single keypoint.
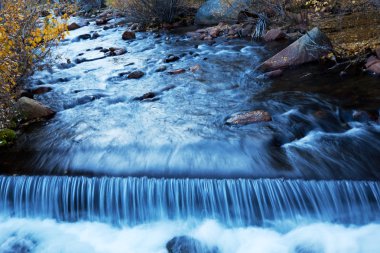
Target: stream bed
[{"x": 127, "y": 164}]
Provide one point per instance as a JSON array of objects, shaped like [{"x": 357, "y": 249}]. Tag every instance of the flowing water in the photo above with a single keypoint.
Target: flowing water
[{"x": 114, "y": 173}]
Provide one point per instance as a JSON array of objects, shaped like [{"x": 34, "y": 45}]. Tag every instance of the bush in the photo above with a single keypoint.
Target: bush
[
  {"x": 148, "y": 10},
  {"x": 25, "y": 40}
]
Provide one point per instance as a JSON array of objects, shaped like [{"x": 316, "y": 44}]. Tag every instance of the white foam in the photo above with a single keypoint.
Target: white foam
[{"x": 50, "y": 236}]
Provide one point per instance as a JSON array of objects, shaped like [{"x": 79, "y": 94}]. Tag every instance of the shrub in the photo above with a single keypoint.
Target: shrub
[
  {"x": 25, "y": 40},
  {"x": 148, "y": 10}
]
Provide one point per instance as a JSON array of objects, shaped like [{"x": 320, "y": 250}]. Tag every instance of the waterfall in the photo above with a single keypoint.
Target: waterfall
[{"x": 240, "y": 202}]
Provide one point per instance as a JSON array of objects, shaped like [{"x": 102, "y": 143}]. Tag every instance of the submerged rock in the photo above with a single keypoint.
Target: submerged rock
[
  {"x": 128, "y": 35},
  {"x": 101, "y": 21},
  {"x": 31, "y": 109},
  {"x": 146, "y": 96},
  {"x": 214, "y": 11},
  {"x": 249, "y": 118},
  {"x": 186, "y": 244},
  {"x": 310, "y": 47},
  {"x": 161, "y": 68},
  {"x": 112, "y": 51}
]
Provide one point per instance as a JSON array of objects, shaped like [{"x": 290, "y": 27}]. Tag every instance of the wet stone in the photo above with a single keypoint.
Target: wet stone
[
  {"x": 136, "y": 74},
  {"x": 171, "y": 58},
  {"x": 186, "y": 244},
  {"x": 249, "y": 118}
]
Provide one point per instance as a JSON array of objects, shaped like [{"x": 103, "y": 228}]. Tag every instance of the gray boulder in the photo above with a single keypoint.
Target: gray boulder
[
  {"x": 214, "y": 11},
  {"x": 31, "y": 109}
]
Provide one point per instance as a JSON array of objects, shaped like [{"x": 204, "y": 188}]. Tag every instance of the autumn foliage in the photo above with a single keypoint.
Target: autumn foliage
[{"x": 25, "y": 40}]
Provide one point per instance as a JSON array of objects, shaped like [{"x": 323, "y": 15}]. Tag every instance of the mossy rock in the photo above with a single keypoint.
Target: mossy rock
[{"x": 7, "y": 136}]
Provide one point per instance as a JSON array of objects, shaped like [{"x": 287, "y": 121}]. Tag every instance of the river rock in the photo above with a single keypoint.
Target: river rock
[
  {"x": 378, "y": 52},
  {"x": 116, "y": 51},
  {"x": 136, "y": 74},
  {"x": 186, "y": 244},
  {"x": 373, "y": 65},
  {"x": 249, "y": 118},
  {"x": 128, "y": 35},
  {"x": 176, "y": 71},
  {"x": 310, "y": 47},
  {"x": 171, "y": 58},
  {"x": 31, "y": 109},
  {"x": 214, "y": 11},
  {"x": 94, "y": 36},
  {"x": 73, "y": 26},
  {"x": 274, "y": 34},
  {"x": 274, "y": 73},
  {"x": 161, "y": 68},
  {"x": 41, "y": 90},
  {"x": 101, "y": 21}
]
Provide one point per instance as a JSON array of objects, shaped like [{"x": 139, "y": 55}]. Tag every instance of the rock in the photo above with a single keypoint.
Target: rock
[
  {"x": 161, "y": 68},
  {"x": 186, "y": 244},
  {"x": 136, "y": 74},
  {"x": 101, "y": 21},
  {"x": 310, "y": 47},
  {"x": 116, "y": 51},
  {"x": 214, "y": 31},
  {"x": 274, "y": 34},
  {"x": 146, "y": 96},
  {"x": 41, "y": 90},
  {"x": 128, "y": 35},
  {"x": 373, "y": 65},
  {"x": 94, "y": 36},
  {"x": 171, "y": 58},
  {"x": 6, "y": 136},
  {"x": 274, "y": 73},
  {"x": 249, "y": 118},
  {"x": 247, "y": 31},
  {"x": 176, "y": 71},
  {"x": 31, "y": 109},
  {"x": 84, "y": 36},
  {"x": 214, "y": 11},
  {"x": 73, "y": 26},
  {"x": 378, "y": 52}
]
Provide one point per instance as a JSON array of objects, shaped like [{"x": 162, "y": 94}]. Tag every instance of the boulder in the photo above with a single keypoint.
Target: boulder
[
  {"x": 128, "y": 35},
  {"x": 94, "y": 36},
  {"x": 274, "y": 34},
  {"x": 214, "y": 11},
  {"x": 310, "y": 47},
  {"x": 373, "y": 65},
  {"x": 186, "y": 244},
  {"x": 78, "y": 24},
  {"x": 249, "y": 118},
  {"x": 31, "y": 109}
]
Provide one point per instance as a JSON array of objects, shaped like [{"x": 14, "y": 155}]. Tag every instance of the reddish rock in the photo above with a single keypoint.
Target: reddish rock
[
  {"x": 176, "y": 71},
  {"x": 214, "y": 32},
  {"x": 128, "y": 35},
  {"x": 250, "y": 117},
  {"x": 274, "y": 34},
  {"x": 373, "y": 65},
  {"x": 310, "y": 47},
  {"x": 73, "y": 26}
]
